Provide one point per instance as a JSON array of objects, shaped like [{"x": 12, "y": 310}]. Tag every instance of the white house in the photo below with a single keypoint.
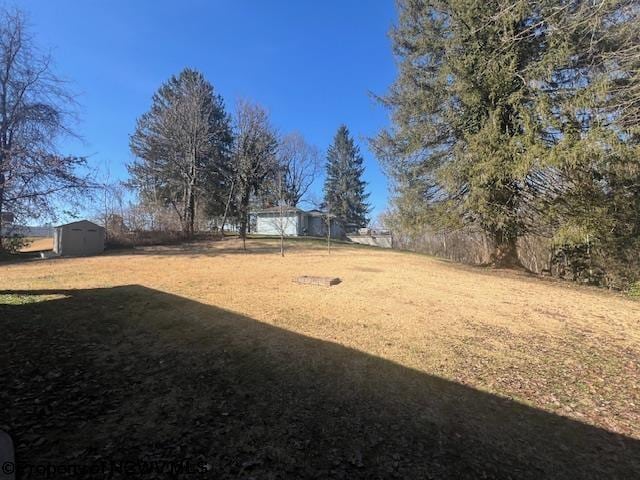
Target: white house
[
  {"x": 78, "y": 239},
  {"x": 294, "y": 222}
]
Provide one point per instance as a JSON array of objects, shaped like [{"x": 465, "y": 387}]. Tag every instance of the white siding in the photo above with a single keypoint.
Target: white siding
[{"x": 270, "y": 224}]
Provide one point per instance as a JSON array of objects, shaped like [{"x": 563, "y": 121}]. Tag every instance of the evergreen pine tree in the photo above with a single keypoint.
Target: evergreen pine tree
[
  {"x": 344, "y": 189},
  {"x": 183, "y": 148},
  {"x": 509, "y": 116}
]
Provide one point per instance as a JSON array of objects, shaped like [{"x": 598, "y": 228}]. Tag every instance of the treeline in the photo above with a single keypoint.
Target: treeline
[
  {"x": 192, "y": 157},
  {"x": 520, "y": 119},
  {"x": 196, "y": 166},
  {"x": 198, "y": 161}
]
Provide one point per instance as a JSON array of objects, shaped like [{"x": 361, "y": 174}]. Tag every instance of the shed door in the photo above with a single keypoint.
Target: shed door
[
  {"x": 81, "y": 241},
  {"x": 91, "y": 240},
  {"x": 74, "y": 243}
]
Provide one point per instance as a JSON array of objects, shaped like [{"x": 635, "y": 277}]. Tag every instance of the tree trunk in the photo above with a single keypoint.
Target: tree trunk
[
  {"x": 191, "y": 200},
  {"x": 243, "y": 227},
  {"x": 244, "y": 217},
  {"x": 282, "y": 227},
  {"x": 505, "y": 254},
  {"x": 1, "y": 206},
  {"x": 184, "y": 222},
  {"x": 226, "y": 210},
  {"x": 1, "y": 235},
  {"x": 191, "y": 212},
  {"x": 282, "y": 224}
]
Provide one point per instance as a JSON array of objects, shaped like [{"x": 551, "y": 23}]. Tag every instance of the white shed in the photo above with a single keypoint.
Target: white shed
[{"x": 78, "y": 239}]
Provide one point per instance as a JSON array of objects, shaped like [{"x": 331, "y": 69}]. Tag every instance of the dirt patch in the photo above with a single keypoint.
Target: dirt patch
[{"x": 367, "y": 269}]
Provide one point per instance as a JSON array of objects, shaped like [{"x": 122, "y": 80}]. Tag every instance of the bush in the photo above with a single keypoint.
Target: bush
[
  {"x": 578, "y": 263},
  {"x": 143, "y": 238},
  {"x": 13, "y": 244},
  {"x": 614, "y": 265}
]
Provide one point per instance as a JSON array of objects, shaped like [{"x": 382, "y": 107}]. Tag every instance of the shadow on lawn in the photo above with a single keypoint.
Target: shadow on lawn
[{"x": 130, "y": 374}]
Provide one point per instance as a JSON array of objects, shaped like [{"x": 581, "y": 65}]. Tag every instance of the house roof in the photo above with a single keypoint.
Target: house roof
[
  {"x": 285, "y": 209},
  {"x": 320, "y": 213}
]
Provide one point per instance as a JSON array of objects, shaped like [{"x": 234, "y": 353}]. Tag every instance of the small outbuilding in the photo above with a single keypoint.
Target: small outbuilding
[{"x": 78, "y": 239}]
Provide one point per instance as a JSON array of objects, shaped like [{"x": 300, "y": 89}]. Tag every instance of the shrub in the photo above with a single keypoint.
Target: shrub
[{"x": 14, "y": 243}]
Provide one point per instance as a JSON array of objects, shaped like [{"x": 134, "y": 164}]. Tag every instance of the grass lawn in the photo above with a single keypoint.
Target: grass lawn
[{"x": 412, "y": 367}]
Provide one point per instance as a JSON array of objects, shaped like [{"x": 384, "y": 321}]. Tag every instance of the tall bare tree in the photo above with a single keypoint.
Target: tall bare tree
[
  {"x": 36, "y": 109},
  {"x": 111, "y": 212},
  {"x": 256, "y": 145},
  {"x": 299, "y": 166}
]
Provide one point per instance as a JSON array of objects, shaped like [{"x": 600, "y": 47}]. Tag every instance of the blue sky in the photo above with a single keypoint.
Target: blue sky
[{"x": 312, "y": 64}]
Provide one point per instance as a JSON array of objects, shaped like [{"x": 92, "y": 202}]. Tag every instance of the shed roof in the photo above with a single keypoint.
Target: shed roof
[{"x": 84, "y": 222}]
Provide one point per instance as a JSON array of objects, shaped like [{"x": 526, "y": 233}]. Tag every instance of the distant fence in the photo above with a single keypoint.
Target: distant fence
[
  {"x": 383, "y": 241},
  {"x": 26, "y": 231},
  {"x": 535, "y": 253}
]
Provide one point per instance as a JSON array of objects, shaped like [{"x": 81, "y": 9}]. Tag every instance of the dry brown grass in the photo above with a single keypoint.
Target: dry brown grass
[
  {"x": 517, "y": 336},
  {"x": 38, "y": 244},
  {"x": 561, "y": 348}
]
